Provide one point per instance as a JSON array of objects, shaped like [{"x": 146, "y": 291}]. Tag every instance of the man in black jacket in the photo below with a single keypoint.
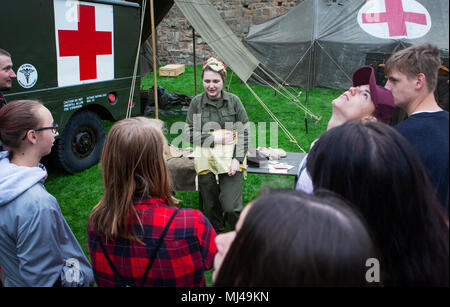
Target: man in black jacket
[{"x": 6, "y": 74}]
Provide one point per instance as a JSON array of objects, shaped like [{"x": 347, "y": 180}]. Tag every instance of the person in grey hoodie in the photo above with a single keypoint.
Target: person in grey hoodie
[{"x": 37, "y": 247}]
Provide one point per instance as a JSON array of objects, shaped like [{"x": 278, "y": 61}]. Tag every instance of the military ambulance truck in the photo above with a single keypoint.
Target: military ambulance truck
[{"x": 78, "y": 58}]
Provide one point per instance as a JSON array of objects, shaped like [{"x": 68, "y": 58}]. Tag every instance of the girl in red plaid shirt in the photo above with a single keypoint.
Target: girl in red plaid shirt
[{"x": 126, "y": 225}]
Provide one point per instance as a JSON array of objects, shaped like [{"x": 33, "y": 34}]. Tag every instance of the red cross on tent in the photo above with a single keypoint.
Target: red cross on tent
[
  {"x": 396, "y": 18},
  {"x": 85, "y": 42}
]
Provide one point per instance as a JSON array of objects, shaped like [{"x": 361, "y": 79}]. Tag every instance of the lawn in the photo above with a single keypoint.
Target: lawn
[{"x": 77, "y": 194}]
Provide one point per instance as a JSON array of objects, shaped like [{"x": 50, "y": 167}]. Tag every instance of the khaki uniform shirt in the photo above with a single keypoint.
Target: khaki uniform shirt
[{"x": 206, "y": 115}]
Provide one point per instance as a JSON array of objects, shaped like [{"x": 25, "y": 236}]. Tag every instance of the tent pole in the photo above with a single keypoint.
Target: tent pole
[
  {"x": 311, "y": 50},
  {"x": 155, "y": 81},
  {"x": 195, "y": 60}
]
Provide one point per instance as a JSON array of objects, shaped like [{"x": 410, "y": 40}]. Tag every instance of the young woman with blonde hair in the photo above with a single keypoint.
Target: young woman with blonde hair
[{"x": 137, "y": 237}]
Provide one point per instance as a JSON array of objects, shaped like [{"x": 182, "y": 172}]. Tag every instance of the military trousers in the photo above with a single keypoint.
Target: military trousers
[{"x": 222, "y": 202}]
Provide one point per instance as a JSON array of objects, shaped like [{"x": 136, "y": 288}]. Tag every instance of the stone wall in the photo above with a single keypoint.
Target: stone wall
[{"x": 174, "y": 34}]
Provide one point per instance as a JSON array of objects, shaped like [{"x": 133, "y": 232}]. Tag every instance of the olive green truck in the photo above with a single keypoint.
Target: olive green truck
[{"x": 78, "y": 58}]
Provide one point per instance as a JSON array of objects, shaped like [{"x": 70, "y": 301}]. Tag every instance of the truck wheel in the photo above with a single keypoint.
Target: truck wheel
[{"x": 81, "y": 144}]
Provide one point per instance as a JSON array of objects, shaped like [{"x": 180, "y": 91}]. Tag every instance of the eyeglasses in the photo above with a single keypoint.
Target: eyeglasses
[{"x": 54, "y": 130}]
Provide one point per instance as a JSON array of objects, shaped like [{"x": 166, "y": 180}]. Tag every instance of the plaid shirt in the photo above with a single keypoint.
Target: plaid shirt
[{"x": 187, "y": 251}]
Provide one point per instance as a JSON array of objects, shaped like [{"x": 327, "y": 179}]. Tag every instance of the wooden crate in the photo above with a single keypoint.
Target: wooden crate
[{"x": 171, "y": 70}]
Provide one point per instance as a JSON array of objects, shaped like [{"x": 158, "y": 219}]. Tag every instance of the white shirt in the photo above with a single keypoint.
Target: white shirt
[{"x": 304, "y": 182}]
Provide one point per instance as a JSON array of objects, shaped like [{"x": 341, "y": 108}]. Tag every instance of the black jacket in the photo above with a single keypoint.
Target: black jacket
[{"x": 2, "y": 100}]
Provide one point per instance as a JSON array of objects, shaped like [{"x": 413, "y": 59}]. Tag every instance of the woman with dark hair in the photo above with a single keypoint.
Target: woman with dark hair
[
  {"x": 289, "y": 238},
  {"x": 378, "y": 171},
  {"x": 136, "y": 235},
  {"x": 37, "y": 247}
]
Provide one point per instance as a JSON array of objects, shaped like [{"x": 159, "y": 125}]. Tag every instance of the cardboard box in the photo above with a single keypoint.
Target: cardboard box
[{"x": 171, "y": 70}]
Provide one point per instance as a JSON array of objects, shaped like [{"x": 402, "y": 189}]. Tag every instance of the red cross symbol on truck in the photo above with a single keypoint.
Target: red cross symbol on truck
[
  {"x": 395, "y": 17},
  {"x": 85, "y": 42}
]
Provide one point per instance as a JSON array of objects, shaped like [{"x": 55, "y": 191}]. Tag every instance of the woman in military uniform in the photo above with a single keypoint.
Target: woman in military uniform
[{"x": 217, "y": 125}]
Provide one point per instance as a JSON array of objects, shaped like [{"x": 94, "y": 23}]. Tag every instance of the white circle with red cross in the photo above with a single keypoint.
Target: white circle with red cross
[{"x": 394, "y": 19}]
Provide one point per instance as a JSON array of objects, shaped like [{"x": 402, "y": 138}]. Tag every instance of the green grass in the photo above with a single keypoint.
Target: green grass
[{"x": 77, "y": 194}]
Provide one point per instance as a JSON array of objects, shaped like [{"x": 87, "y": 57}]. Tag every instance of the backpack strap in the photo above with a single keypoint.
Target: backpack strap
[
  {"x": 158, "y": 245},
  {"x": 152, "y": 257},
  {"x": 122, "y": 282}
]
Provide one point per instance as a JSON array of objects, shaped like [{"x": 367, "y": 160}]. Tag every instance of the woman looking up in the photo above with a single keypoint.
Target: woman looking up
[{"x": 364, "y": 101}]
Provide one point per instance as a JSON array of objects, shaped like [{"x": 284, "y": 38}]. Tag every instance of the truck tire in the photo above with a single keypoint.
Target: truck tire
[{"x": 81, "y": 144}]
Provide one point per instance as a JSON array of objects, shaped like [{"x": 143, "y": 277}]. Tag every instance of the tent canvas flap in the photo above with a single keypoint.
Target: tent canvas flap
[
  {"x": 340, "y": 45},
  {"x": 207, "y": 22}
]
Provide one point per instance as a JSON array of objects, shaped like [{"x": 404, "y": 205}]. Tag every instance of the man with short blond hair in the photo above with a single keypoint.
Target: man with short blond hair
[{"x": 412, "y": 77}]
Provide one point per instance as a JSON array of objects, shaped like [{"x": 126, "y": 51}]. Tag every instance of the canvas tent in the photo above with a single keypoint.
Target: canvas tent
[
  {"x": 205, "y": 19},
  {"x": 320, "y": 45},
  {"x": 208, "y": 23}
]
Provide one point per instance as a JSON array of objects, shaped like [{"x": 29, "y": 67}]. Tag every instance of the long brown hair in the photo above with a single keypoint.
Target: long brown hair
[
  {"x": 380, "y": 173},
  {"x": 133, "y": 168}
]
